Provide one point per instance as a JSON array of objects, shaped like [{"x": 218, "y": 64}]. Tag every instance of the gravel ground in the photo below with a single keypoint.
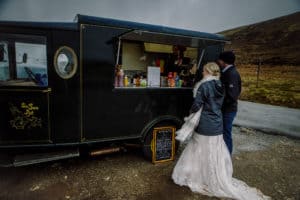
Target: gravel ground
[{"x": 268, "y": 162}]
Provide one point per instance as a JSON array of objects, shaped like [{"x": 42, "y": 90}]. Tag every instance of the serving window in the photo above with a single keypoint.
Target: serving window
[
  {"x": 150, "y": 59},
  {"x": 147, "y": 64},
  {"x": 23, "y": 60}
]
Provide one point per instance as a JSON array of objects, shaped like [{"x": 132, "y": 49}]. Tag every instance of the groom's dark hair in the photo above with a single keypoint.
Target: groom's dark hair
[{"x": 228, "y": 57}]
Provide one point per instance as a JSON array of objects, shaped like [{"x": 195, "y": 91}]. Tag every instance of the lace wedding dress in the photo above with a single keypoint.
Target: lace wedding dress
[{"x": 205, "y": 165}]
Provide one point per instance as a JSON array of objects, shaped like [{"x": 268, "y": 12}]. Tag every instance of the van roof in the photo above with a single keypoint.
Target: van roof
[
  {"x": 84, "y": 19},
  {"x": 40, "y": 25}
]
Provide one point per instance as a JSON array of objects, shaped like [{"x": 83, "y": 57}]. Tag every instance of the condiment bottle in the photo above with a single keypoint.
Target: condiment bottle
[
  {"x": 126, "y": 83},
  {"x": 172, "y": 82},
  {"x": 117, "y": 76},
  {"x": 121, "y": 78},
  {"x": 138, "y": 81},
  {"x": 177, "y": 79},
  {"x": 143, "y": 82},
  {"x": 170, "y": 77}
]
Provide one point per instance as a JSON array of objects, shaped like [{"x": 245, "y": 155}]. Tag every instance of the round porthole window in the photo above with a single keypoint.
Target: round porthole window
[{"x": 65, "y": 62}]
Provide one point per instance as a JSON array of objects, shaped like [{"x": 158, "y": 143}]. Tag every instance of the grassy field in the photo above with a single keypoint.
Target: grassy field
[{"x": 277, "y": 85}]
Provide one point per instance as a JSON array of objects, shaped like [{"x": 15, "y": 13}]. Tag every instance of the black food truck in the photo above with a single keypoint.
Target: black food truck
[{"x": 96, "y": 85}]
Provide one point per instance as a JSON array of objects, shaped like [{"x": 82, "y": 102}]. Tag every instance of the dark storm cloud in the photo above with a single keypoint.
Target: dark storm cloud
[{"x": 202, "y": 15}]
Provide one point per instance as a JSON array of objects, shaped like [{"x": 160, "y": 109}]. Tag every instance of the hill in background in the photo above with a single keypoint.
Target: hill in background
[{"x": 276, "y": 41}]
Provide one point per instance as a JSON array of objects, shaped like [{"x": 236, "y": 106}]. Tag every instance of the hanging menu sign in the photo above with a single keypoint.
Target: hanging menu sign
[{"x": 163, "y": 144}]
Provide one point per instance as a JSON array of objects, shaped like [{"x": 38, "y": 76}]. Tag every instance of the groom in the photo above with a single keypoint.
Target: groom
[{"x": 231, "y": 80}]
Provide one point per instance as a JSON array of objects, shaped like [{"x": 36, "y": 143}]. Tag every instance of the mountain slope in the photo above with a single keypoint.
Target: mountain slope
[{"x": 275, "y": 41}]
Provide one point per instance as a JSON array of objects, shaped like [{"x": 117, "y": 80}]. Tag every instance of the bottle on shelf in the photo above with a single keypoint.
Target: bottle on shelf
[
  {"x": 135, "y": 77},
  {"x": 177, "y": 80},
  {"x": 138, "y": 81},
  {"x": 117, "y": 76},
  {"x": 170, "y": 77},
  {"x": 126, "y": 82},
  {"x": 172, "y": 82},
  {"x": 143, "y": 82},
  {"x": 121, "y": 78}
]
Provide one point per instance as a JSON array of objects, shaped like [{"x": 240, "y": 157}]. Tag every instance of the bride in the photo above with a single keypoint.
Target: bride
[{"x": 205, "y": 164}]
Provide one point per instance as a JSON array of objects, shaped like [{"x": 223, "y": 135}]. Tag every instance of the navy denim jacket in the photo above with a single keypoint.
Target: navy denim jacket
[{"x": 210, "y": 95}]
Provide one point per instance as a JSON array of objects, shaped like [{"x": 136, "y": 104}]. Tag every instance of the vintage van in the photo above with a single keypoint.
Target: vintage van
[{"x": 65, "y": 87}]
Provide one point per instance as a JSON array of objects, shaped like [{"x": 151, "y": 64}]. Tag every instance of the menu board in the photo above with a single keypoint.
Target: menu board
[
  {"x": 153, "y": 74},
  {"x": 163, "y": 144}
]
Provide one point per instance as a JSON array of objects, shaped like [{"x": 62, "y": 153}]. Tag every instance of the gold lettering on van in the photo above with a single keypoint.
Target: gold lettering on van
[{"x": 24, "y": 116}]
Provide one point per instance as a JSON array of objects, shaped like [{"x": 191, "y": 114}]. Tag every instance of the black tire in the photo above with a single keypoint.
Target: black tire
[{"x": 147, "y": 152}]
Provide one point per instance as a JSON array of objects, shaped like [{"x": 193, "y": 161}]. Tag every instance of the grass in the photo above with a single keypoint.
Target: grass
[{"x": 277, "y": 85}]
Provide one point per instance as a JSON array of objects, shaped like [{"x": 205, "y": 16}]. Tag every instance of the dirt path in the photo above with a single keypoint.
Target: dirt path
[
  {"x": 268, "y": 162},
  {"x": 273, "y": 119}
]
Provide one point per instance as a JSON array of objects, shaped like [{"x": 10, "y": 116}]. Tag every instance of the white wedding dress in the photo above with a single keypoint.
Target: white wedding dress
[{"x": 205, "y": 165}]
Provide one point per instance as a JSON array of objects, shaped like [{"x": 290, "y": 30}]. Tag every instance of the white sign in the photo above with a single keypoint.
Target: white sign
[{"x": 153, "y": 75}]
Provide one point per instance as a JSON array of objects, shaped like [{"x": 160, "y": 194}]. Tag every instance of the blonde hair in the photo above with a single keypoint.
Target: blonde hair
[{"x": 212, "y": 68}]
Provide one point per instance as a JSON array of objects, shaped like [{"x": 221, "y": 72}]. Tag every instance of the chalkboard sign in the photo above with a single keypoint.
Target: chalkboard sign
[{"x": 163, "y": 144}]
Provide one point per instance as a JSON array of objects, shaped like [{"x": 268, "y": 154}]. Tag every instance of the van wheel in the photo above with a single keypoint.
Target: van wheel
[{"x": 147, "y": 149}]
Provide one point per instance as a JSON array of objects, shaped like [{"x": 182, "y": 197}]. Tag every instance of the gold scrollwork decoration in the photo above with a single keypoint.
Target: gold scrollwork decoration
[{"x": 24, "y": 117}]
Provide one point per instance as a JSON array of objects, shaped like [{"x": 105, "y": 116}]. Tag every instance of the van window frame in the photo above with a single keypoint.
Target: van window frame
[{"x": 12, "y": 39}]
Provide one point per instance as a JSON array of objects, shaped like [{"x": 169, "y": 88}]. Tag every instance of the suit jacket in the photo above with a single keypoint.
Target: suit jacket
[{"x": 232, "y": 84}]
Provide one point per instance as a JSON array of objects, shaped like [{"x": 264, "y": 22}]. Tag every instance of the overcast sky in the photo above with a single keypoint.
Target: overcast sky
[{"x": 201, "y": 15}]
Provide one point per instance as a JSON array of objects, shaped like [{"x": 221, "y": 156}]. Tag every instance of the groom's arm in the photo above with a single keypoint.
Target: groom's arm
[{"x": 232, "y": 88}]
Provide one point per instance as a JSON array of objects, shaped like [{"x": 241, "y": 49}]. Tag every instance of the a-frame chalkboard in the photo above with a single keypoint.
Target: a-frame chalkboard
[{"x": 163, "y": 144}]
